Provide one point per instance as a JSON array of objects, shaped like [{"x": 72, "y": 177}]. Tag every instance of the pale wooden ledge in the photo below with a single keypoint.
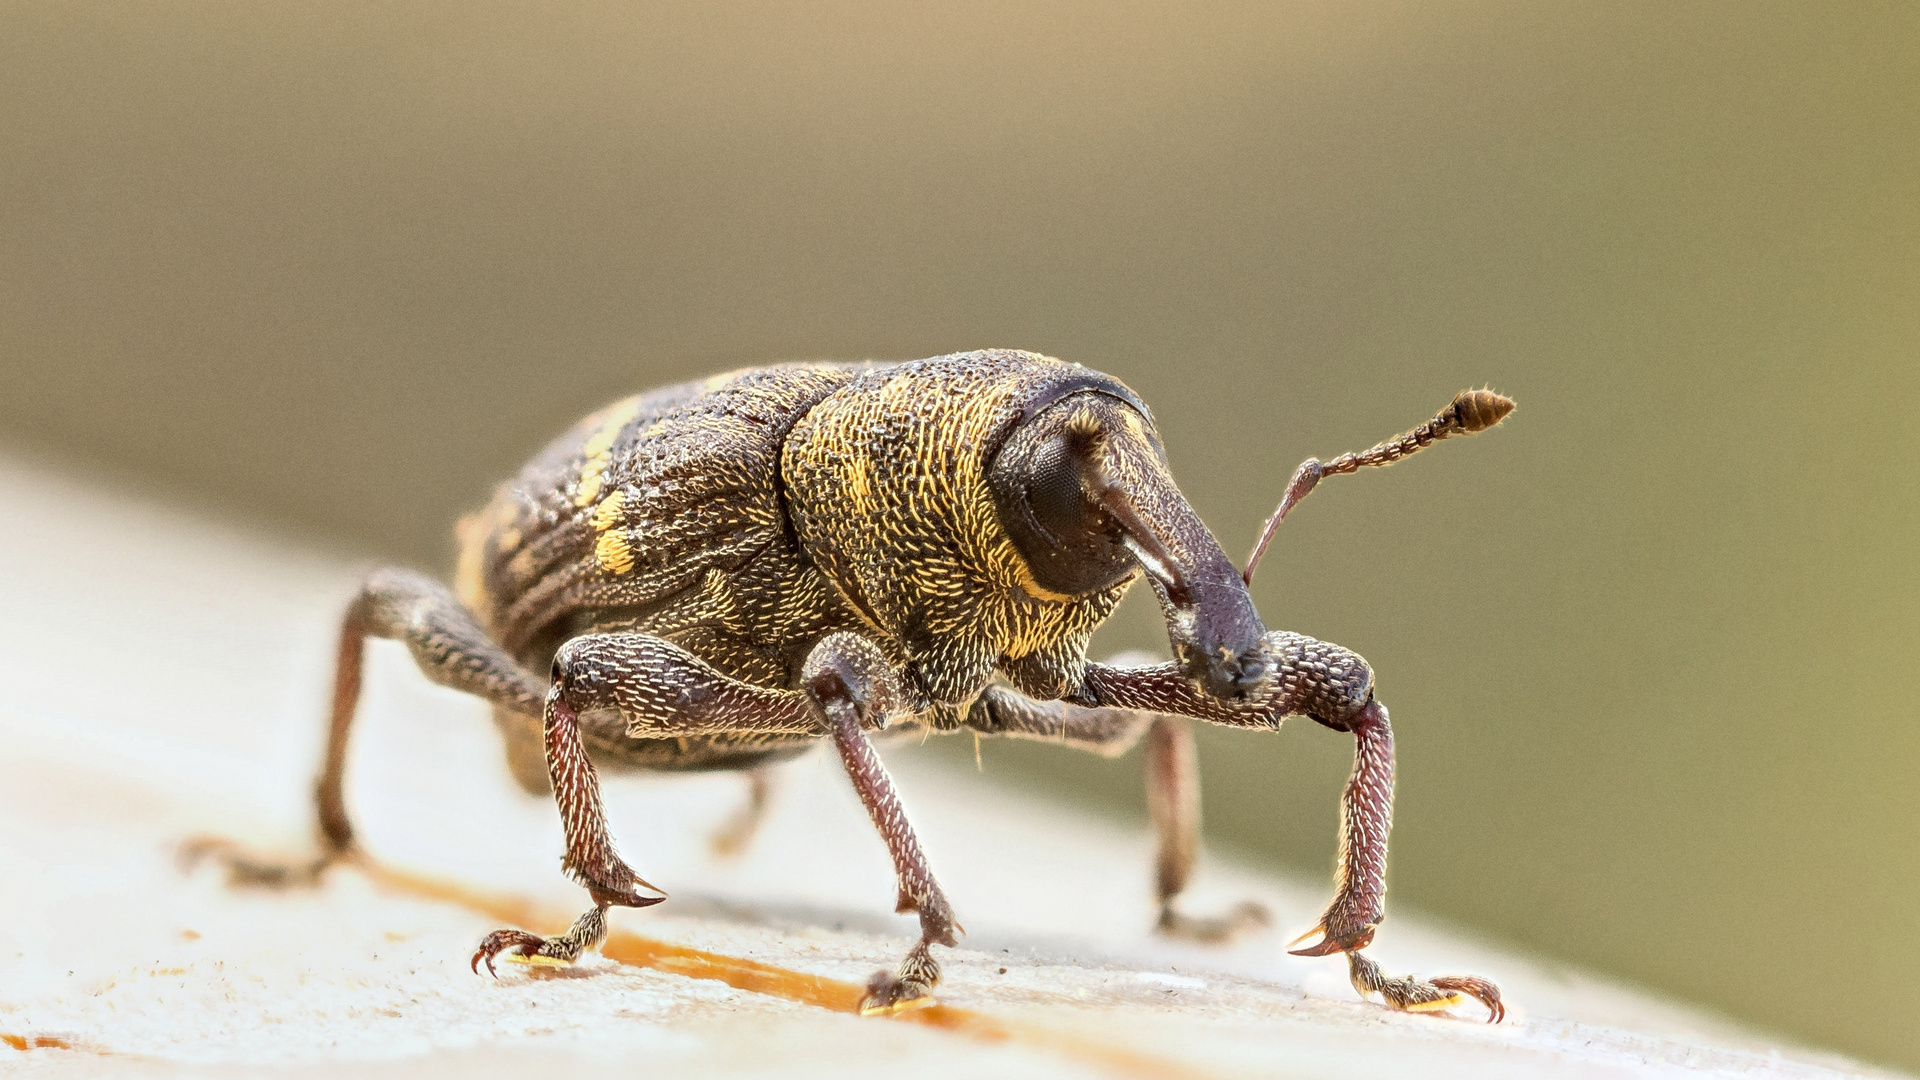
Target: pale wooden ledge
[{"x": 164, "y": 678}]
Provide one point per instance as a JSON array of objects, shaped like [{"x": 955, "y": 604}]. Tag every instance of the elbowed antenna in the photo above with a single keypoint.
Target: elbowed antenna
[{"x": 1470, "y": 412}]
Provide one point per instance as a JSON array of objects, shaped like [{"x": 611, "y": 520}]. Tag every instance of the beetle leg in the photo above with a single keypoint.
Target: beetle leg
[
  {"x": 520, "y": 947},
  {"x": 1366, "y": 816},
  {"x": 1173, "y": 790},
  {"x": 639, "y": 687},
  {"x": 607, "y": 688},
  {"x": 1173, "y": 802},
  {"x": 1410, "y": 993},
  {"x": 450, "y": 648},
  {"x": 1335, "y": 688},
  {"x": 849, "y": 681},
  {"x": 590, "y": 858},
  {"x": 733, "y": 836},
  {"x": 1003, "y": 712},
  {"x": 919, "y": 973}
]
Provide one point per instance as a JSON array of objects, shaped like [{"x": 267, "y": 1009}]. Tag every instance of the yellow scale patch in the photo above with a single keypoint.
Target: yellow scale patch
[
  {"x": 598, "y": 450},
  {"x": 607, "y": 514},
  {"x": 613, "y": 553},
  {"x": 612, "y": 550}
]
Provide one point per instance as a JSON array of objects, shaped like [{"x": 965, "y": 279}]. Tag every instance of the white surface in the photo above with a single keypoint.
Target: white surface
[{"x": 165, "y": 676}]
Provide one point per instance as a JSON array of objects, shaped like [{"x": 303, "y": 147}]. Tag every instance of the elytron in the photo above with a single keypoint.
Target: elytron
[{"x": 718, "y": 575}]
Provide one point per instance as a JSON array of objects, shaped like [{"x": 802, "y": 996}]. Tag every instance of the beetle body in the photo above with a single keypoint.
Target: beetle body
[
  {"x": 720, "y": 574},
  {"x": 747, "y": 516}
]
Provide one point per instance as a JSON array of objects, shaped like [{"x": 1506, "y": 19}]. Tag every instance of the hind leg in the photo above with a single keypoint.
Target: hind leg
[{"x": 450, "y": 648}]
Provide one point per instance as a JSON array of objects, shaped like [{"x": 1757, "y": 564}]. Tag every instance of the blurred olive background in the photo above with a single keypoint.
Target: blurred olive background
[{"x": 1650, "y": 647}]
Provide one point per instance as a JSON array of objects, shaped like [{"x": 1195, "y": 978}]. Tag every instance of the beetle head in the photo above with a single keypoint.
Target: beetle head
[{"x": 1082, "y": 489}]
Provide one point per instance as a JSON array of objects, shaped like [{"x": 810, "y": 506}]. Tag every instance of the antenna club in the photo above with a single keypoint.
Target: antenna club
[{"x": 1478, "y": 410}]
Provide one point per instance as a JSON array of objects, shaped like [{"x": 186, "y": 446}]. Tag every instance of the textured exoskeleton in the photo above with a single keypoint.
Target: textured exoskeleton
[{"x": 719, "y": 575}]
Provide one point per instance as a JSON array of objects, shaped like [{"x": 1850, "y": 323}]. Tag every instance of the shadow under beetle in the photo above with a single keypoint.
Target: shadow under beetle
[{"x": 719, "y": 574}]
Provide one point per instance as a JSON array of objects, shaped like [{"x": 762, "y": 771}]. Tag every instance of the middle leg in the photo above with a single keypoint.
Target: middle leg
[
  {"x": 609, "y": 687},
  {"x": 1173, "y": 791},
  {"x": 849, "y": 681}
]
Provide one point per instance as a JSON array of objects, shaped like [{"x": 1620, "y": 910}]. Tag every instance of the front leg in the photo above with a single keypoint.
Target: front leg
[
  {"x": 1335, "y": 688},
  {"x": 1360, "y": 879}
]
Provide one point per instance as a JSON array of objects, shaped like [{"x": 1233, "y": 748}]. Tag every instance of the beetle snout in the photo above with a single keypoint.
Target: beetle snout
[
  {"x": 1216, "y": 634},
  {"x": 1236, "y": 674},
  {"x": 1227, "y": 666}
]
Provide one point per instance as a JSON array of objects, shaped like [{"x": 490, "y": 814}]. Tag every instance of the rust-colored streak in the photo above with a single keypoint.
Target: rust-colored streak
[
  {"x": 35, "y": 1042},
  {"x": 627, "y": 947}
]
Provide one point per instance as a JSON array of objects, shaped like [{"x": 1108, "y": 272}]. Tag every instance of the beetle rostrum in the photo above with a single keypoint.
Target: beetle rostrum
[{"x": 1084, "y": 492}]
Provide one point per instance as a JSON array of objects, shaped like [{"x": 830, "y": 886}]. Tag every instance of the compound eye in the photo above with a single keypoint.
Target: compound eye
[
  {"x": 1042, "y": 485},
  {"x": 1056, "y": 492}
]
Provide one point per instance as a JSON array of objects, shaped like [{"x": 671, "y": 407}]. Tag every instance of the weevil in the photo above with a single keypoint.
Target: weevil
[{"x": 722, "y": 574}]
